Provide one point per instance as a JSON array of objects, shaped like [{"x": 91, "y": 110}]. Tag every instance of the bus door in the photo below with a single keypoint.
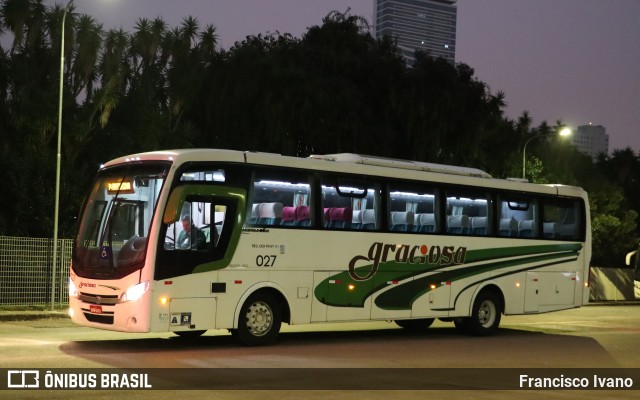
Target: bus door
[{"x": 200, "y": 232}]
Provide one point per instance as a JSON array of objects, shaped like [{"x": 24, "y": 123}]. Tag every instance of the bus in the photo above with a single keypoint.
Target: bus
[
  {"x": 633, "y": 259},
  {"x": 187, "y": 241}
]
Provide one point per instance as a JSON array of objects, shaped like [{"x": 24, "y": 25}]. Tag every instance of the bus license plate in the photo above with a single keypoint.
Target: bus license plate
[{"x": 95, "y": 309}]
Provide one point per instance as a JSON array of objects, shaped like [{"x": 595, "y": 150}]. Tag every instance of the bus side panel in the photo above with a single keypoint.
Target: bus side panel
[
  {"x": 549, "y": 291},
  {"x": 184, "y": 303},
  {"x": 319, "y": 309},
  {"x": 237, "y": 283},
  {"x": 192, "y": 313},
  {"x": 434, "y": 303},
  {"x": 298, "y": 289}
]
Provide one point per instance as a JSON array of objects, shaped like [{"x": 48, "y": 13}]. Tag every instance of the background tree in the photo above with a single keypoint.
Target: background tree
[{"x": 335, "y": 89}]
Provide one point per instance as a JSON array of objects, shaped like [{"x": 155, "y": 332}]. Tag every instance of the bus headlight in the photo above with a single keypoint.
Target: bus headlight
[
  {"x": 135, "y": 292},
  {"x": 73, "y": 290}
]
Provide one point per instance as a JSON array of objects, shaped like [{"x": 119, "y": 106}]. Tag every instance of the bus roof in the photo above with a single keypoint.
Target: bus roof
[
  {"x": 348, "y": 162},
  {"x": 402, "y": 164}
]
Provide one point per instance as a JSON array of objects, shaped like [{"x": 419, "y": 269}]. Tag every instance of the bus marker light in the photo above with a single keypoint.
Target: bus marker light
[
  {"x": 433, "y": 286},
  {"x": 393, "y": 282},
  {"x": 335, "y": 281},
  {"x": 351, "y": 286},
  {"x": 518, "y": 284},
  {"x": 238, "y": 282},
  {"x": 164, "y": 300},
  {"x": 168, "y": 282}
]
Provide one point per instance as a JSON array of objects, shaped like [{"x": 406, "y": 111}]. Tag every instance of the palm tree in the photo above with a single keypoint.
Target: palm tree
[
  {"x": 87, "y": 49},
  {"x": 14, "y": 15}
]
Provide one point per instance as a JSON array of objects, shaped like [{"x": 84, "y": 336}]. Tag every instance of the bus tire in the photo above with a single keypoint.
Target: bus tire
[
  {"x": 421, "y": 324},
  {"x": 260, "y": 320},
  {"x": 486, "y": 314}
]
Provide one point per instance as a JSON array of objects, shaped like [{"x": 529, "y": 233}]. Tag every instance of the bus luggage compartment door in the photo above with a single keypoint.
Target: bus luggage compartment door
[{"x": 547, "y": 291}]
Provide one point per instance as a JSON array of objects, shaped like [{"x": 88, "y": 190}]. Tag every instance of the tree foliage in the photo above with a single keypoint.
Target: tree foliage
[{"x": 334, "y": 89}]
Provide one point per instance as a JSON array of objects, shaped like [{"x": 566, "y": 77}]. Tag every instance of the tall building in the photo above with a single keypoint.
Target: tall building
[
  {"x": 591, "y": 140},
  {"x": 428, "y": 25}
]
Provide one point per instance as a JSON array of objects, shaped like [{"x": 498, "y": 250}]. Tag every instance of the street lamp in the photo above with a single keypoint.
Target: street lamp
[
  {"x": 57, "y": 200},
  {"x": 565, "y": 131}
]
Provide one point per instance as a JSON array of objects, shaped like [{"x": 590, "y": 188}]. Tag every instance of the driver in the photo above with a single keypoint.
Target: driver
[{"x": 191, "y": 237}]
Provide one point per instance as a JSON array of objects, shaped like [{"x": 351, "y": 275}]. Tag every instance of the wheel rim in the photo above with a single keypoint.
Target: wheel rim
[
  {"x": 259, "y": 318},
  {"x": 487, "y": 313}
]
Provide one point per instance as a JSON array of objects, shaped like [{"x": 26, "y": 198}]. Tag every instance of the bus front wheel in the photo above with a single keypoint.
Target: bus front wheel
[{"x": 260, "y": 320}]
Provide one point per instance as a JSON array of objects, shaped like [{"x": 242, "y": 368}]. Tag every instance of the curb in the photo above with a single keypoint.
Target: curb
[{"x": 613, "y": 303}]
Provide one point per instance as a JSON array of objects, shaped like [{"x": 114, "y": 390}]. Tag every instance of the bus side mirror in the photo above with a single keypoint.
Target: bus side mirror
[{"x": 174, "y": 205}]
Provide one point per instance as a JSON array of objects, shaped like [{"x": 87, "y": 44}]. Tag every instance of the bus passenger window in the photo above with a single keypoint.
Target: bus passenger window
[
  {"x": 467, "y": 213},
  {"x": 517, "y": 217},
  {"x": 280, "y": 198},
  {"x": 412, "y": 208},
  {"x": 348, "y": 204},
  {"x": 561, "y": 219}
]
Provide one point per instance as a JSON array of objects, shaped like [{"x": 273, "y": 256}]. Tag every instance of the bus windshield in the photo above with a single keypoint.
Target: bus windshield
[{"x": 116, "y": 219}]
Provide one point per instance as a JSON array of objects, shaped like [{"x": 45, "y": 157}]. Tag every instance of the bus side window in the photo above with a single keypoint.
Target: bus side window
[
  {"x": 468, "y": 213},
  {"x": 199, "y": 227},
  {"x": 518, "y": 216},
  {"x": 561, "y": 219},
  {"x": 348, "y": 204},
  {"x": 412, "y": 208},
  {"x": 279, "y": 198}
]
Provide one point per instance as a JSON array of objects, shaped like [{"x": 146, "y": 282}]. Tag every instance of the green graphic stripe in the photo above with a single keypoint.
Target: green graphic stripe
[
  {"x": 402, "y": 297},
  {"x": 335, "y": 291},
  {"x": 505, "y": 252}
]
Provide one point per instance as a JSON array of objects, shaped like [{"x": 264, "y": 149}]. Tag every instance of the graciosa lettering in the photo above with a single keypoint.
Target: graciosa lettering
[{"x": 406, "y": 254}]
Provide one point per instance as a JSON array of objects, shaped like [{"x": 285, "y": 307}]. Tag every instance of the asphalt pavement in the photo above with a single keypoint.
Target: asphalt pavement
[{"x": 28, "y": 315}]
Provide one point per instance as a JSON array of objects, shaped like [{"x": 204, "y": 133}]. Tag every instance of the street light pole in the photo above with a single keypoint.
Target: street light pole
[
  {"x": 562, "y": 132},
  {"x": 58, "y": 157},
  {"x": 524, "y": 154}
]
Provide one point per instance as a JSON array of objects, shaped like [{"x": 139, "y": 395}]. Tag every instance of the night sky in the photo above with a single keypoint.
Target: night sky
[{"x": 577, "y": 61}]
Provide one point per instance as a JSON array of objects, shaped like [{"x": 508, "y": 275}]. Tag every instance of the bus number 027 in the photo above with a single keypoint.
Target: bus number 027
[{"x": 266, "y": 261}]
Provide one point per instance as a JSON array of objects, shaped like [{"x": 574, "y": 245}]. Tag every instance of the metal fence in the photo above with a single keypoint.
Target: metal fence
[{"x": 27, "y": 276}]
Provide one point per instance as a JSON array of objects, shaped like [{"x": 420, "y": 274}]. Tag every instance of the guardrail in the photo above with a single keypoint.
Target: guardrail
[{"x": 27, "y": 276}]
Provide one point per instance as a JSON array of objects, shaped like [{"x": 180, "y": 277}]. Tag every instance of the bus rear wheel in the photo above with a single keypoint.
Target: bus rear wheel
[
  {"x": 486, "y": 314},
  {"x": 260, "y": 320},
  {"x": 415, "y": 324}
]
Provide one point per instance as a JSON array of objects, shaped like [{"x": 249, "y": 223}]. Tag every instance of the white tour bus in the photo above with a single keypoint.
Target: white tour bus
[{"x": 190, "y": 240}]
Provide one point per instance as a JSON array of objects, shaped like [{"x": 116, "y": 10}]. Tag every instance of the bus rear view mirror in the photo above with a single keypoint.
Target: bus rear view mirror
[{"x": 174, "y": 205}]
